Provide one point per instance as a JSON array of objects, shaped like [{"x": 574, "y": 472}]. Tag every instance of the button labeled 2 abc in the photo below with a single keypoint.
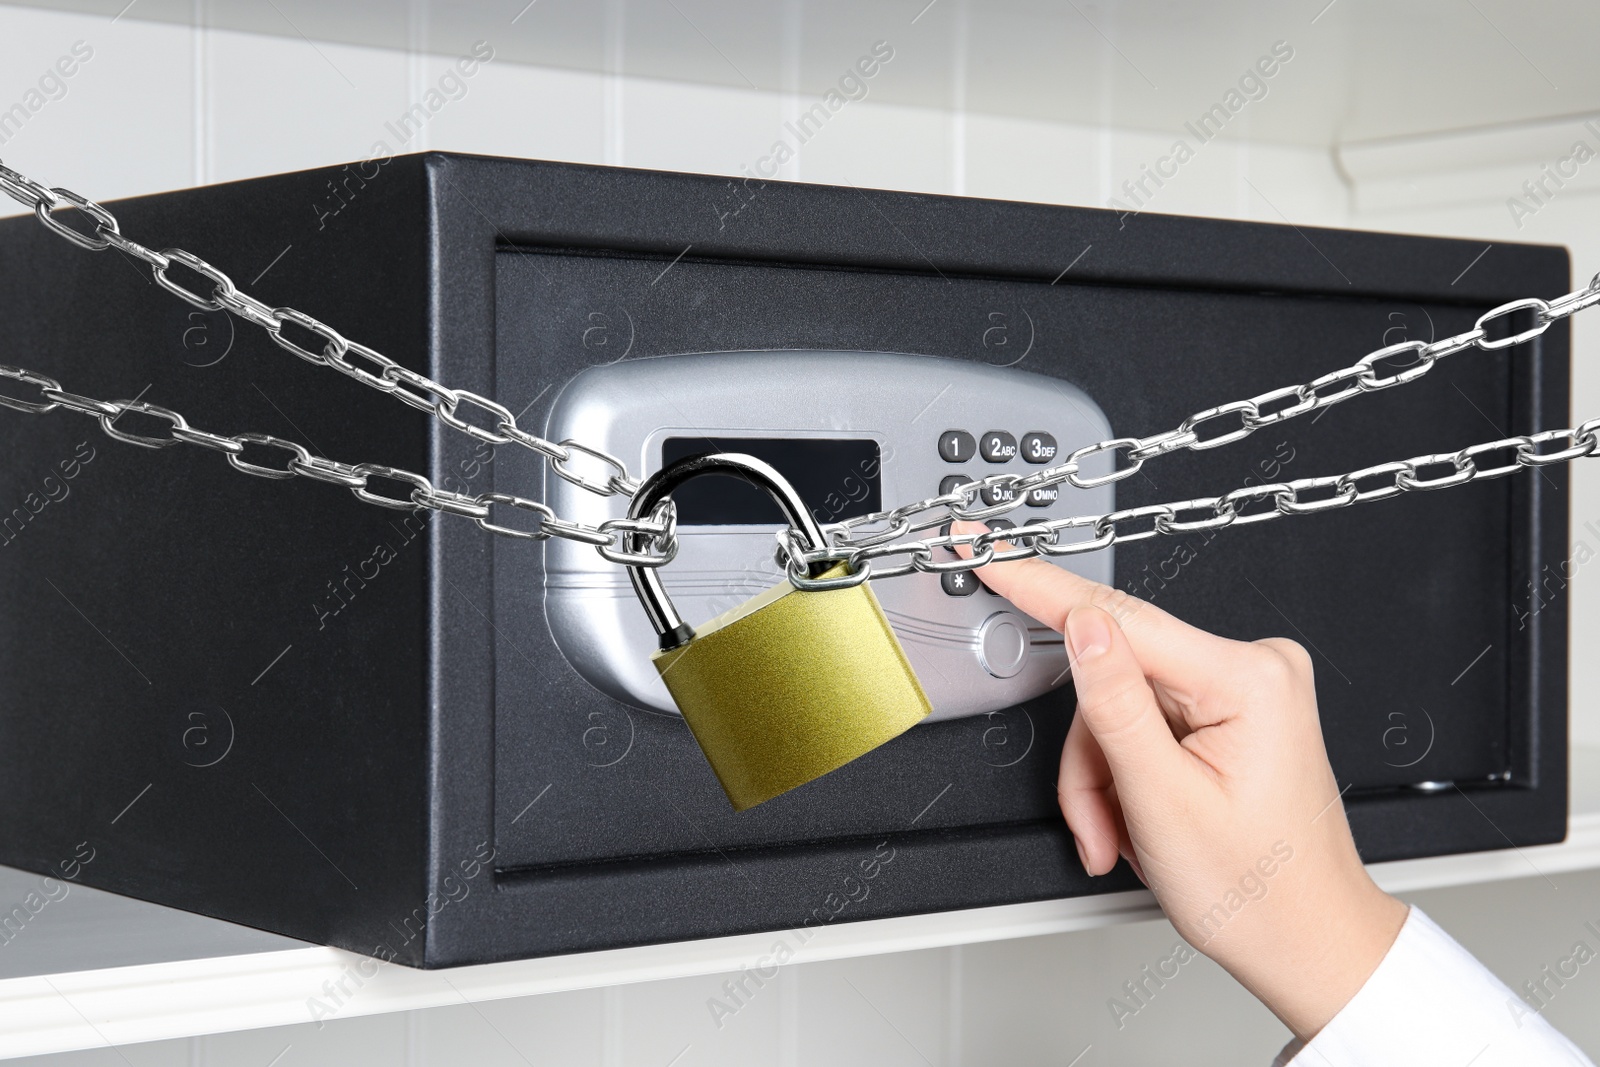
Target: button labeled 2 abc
[{"x": 998, "y": 446}]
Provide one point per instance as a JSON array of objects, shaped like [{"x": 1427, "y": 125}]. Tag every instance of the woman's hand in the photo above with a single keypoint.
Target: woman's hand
[{"x": 1200, "y": 759}]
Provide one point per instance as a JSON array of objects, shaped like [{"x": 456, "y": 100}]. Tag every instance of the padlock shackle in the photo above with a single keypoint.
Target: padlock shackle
[{"x": 669, "y": 625}]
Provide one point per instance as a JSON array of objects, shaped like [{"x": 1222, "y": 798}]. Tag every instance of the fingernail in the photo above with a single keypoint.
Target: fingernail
[
  {"x": 1088, "y": 632},
  {"x": 1083, "y": 859}
]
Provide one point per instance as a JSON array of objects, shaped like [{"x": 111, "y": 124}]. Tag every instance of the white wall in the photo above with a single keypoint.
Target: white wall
[{"x": 161, "y": 107}]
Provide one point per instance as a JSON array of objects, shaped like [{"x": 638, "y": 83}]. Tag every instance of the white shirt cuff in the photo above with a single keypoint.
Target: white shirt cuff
[{"x": 1431, "y": 1002}]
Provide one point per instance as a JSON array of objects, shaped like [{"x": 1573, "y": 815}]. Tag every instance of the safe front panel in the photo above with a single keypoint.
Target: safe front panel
[
  {"x": 386, "y": 735},
  {"x": 1389, "y": 597}
]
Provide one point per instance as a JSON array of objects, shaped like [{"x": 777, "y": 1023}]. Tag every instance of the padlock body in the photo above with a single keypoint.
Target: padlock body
[{"x": 790, "y": 685}]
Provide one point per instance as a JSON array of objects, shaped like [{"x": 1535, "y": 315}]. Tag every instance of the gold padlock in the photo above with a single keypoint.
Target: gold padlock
[{"x": 791, "y": 684}]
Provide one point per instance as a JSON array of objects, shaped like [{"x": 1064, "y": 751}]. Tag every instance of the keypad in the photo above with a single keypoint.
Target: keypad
[{"x": 993, "y": 446}]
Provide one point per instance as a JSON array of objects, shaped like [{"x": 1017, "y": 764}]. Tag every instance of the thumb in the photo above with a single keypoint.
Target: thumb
[{"x": 1117, "y": 703}]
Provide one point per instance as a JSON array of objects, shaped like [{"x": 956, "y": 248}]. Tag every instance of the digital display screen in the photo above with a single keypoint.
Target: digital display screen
[{"x": 838, "y": 479}]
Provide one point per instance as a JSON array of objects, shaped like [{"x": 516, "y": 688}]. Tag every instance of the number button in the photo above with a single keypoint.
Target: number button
[
  {"x": 1043, "y": 496},
  {"x": 956, "y": 446},
  {"x": 958, "y": 583},
  {"x": 998, "y": 446},
  {"x": 1038, "y": 447},
  {"x": 998, "y": 494},
  {"x": 949, "y": 482}
]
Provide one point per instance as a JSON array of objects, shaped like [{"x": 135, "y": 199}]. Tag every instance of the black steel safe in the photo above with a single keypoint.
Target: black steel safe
[{"x": 192, "y": 684}]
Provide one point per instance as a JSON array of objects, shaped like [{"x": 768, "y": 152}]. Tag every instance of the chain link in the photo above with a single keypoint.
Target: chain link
[
  {"x": 1381, "y": 369},
  {"x": 611, "y": 538},
  {"x": 100, "y": 231},
  {"x": 1241, "y": 507},
  {"x": 853, "y": 539}
]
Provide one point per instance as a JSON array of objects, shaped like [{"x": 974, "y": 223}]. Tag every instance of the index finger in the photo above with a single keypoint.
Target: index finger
[{"x": 1167, "y": 647}]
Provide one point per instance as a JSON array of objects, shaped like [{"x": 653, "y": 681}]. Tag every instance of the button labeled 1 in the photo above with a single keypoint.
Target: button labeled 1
[{"x": 956, "y": 446}]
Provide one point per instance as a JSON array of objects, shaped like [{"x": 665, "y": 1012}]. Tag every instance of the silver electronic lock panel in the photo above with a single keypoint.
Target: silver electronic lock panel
[{"x": 856, "y": 433}]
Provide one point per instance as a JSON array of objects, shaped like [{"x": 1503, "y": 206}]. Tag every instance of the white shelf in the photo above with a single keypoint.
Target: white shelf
[
  {"x": 1351, "y": 65},
  {"x": 95, "y": 968}
]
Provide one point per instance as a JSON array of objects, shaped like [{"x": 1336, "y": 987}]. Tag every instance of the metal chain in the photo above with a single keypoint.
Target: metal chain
[
  {"x": 615, "y": 539},
  {"x": 316, "y": 342},
  {"x": 1241, "y": 507},
  {"x": 1378, "y": 370},
  {"x": 1375, "y": 371}
]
